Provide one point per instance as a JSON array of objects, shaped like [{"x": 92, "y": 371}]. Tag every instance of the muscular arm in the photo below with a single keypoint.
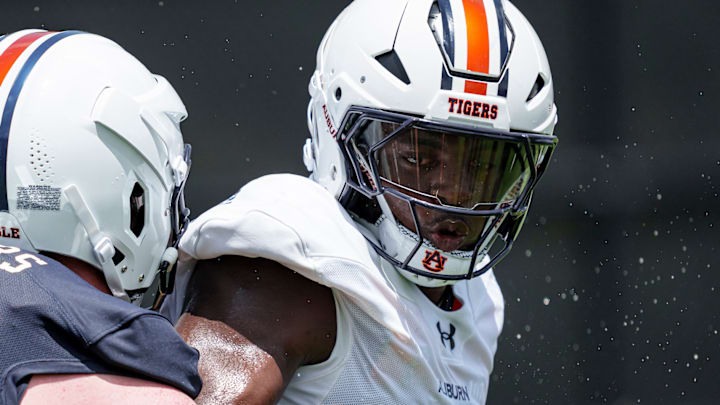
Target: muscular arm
[{"x": 254, "y": 322}]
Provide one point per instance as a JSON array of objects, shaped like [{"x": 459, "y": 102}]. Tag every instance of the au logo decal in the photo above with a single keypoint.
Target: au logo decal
[{"x": 434, "y": 261}]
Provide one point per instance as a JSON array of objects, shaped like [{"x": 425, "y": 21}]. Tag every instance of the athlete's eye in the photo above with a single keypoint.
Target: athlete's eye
[{"x": 411, "y": 159}]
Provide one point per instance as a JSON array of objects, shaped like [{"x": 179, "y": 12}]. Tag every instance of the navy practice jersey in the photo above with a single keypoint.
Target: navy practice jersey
[{"x": 53, "y": 322}]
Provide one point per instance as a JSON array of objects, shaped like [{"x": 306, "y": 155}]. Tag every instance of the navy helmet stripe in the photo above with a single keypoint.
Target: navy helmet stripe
[
  {"x": 9, "y": 110},
  {"x": 448, "y": 28},
  {"x": 503, "y": 33},
  {"x": 503, "y": 87},
  {"x": 446, "y": 83},
  {"x": 448, "y": 40}
]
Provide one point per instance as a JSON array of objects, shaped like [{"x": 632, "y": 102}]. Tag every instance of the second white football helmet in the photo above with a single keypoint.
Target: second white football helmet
[
  {"x": 93, "y": 161},
  {"x": 432, "y": 121}
]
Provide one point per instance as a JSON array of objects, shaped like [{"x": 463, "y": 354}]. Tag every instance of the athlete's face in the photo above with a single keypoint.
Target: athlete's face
[
  {"x": 462, "y": 171},
  {"x": 425, "y": 161},
  {"x": 447, "y": 232}
]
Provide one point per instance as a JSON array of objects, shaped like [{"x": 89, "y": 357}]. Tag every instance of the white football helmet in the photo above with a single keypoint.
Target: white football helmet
[
  {"x": 432, "y": 121},
  {"x": 92, "y": 158}
]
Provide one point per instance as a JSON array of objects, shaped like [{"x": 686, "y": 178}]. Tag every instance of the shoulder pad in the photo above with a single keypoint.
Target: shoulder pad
[{"x": 294, "y": 221}]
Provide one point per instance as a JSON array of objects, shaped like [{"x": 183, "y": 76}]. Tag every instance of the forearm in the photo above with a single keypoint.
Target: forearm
[{"x": 233, "y": 369}]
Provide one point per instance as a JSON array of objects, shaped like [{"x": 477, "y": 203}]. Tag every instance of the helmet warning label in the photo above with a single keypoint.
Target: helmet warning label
[{"x": 38, "y": 198}]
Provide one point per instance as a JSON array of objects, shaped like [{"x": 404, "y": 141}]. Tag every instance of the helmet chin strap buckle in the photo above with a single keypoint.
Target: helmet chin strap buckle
[
  {"x": 166, "y": 276},
  {"x": 104, "y": 250},
  {"x": 166, "y": 271}
]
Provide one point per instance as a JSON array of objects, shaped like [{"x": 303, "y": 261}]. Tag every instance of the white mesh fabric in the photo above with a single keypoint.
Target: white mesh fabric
[
  {"x": 372, "y": 365},
  {"x": 376, "y": 370},
  {"x": 390, "y": 348}
]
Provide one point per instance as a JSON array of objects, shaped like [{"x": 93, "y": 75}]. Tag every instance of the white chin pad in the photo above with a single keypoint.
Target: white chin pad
[{"x": 399, "y": 241}]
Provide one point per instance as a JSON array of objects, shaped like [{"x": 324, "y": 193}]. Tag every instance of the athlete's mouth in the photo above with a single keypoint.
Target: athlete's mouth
[{"x": 449, "y": 234}]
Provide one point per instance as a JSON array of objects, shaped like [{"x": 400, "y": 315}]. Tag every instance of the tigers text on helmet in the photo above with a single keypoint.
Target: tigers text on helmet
[
  {"x": 92, "y": 158},
  {"x": 432, "y": 122}
]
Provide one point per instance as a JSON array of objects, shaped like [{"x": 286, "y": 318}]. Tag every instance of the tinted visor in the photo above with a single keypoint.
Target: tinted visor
[{"x": 447, "y": 168}]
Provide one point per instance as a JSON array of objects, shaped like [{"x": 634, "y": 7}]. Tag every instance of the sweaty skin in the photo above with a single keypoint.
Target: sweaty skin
[
  {"x": 230, "y": 364},
  {"x": 254, "y": 323}
]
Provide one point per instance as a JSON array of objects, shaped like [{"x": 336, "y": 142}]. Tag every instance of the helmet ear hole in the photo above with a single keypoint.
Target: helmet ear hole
[
  {"x": 137, "y": 209},
  {"x": 118, "y": 257}
]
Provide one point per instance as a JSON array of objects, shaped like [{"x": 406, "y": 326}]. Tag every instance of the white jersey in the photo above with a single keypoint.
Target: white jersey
[{"x": 393, "y": 345}]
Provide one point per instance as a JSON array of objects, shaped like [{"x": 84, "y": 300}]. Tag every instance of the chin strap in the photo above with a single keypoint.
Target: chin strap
[
  {"x": 166, "y": 271},
  {"x": 102, "y": 245},
  {"x": 166, "y": 276}
]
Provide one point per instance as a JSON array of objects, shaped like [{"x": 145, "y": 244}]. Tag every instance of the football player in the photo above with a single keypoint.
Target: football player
[
  {"x": 371, "y": 282},
  {"x": 92, "y": 171}
]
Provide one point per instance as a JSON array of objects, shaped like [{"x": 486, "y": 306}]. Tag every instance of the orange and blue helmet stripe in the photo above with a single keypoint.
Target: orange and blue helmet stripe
[
  {"x": 478, "y": 44},
  {"x": 475, "y": 40}
]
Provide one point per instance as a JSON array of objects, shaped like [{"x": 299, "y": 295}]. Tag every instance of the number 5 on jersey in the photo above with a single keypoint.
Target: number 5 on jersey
[{"x": 22, "y": 260}]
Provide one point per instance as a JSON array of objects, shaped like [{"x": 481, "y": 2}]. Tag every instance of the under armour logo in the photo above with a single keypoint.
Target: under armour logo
[
  {"x": 434, "y": 261},
  {"x": 447, "y": 335}
]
